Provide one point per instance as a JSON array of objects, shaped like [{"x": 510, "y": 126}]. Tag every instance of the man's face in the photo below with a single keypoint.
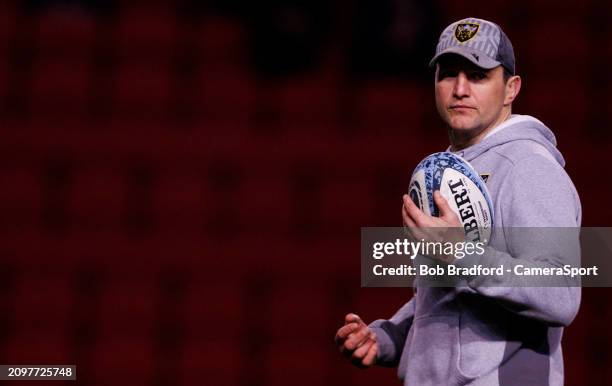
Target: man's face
[{"x": 468, "y": 98}]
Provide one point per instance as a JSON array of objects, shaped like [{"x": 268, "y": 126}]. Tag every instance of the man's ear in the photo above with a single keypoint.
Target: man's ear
[{"x": 513, "y": 86}]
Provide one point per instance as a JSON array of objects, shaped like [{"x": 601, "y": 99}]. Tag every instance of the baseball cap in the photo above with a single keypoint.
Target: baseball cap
[{"x": 480, "y": 41}]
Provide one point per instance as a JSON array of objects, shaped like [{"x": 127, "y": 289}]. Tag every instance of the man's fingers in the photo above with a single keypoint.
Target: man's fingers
[
  {"x": 344, "y": 331},
  {"x": 353, "y": 318},
  {"x": 413, "y": 211},
  {"x": 407, "y": 219},
  {"x": 415, "y": 232},
  {"x": 356, "y": 339},
  {"x": 352, "y": 335},
  {"x": 370, "y": 357},
  {"x": 361, "y": 352},
  {"x": 420, "y": 234}
]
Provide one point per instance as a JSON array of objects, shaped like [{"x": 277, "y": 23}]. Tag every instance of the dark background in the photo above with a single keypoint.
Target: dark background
[{"x": 182, "y": 184}]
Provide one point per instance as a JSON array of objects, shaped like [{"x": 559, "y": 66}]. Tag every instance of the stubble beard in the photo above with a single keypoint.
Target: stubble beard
[{"x": 461, "y": 137}]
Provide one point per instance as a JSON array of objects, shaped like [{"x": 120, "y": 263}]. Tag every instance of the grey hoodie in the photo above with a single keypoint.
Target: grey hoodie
[{"x": 496, "y": 333}]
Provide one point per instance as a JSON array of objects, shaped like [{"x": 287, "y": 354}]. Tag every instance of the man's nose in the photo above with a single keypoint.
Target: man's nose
[{"x": 462, "y": 86}]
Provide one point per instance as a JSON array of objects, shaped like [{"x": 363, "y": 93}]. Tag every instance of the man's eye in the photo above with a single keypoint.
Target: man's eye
[
  {"x": 478, "y": 75},
  {"x": 447, "y": 74}
]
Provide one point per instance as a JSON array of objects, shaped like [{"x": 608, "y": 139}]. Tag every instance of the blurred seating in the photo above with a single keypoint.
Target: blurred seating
[
  {"x": 299, "y": 364},
  {"x": 147, "y": 32},
  {"x": 20, "y": 197},
  {"x": 212, "y": 363},
  {"x": 170, "y": 215}
]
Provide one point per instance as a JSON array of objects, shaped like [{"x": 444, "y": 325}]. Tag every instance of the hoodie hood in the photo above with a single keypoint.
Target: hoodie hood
[{"x": 517, "y": 128}]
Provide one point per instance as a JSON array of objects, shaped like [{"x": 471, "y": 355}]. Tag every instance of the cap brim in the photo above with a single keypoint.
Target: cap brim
[{"x": 475, "y": 56}]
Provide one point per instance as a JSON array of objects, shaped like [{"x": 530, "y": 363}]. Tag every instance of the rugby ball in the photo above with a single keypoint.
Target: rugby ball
[{"x": 462, "y": 187}]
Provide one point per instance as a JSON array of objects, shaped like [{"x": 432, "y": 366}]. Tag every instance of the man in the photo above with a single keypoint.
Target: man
[{"x": 484, "y": 333}]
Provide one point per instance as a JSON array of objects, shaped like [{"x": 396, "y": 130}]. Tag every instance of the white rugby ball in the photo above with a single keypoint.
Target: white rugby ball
[{"x": 462, "y": 187}]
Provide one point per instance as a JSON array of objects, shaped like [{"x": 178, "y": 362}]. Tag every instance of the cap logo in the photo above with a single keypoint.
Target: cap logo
[{"x": 466, "y": 31}]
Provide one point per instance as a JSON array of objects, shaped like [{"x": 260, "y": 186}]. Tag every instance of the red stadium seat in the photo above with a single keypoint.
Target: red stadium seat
[
  {"x": 295, "y": 363},
  {"x": 550, "y": 41},
  {"x": 347, "y": 201},
  {"x": 143, "y": 91},
  {"x": 128, "y": 305},
  {"x": 225, "y": 91},
  {"x": 5, "y": 79},
  {"x": 69, "y": 36},
  {"x": 213, "y": 301},
  {"x": 266, "y": 203},
  {"x": 219, "y": 363},
  {"x": 298, "y": 313},
  {"x": 222, "y": 43},
  {"x": 147, "y": 32},
  {"x": 490, "y": 10},
  {"x": 39, "y": 324},
  {"x": 43, "y": 300},
  {"x": 98, "y": 198},
  {"x": 181, "y": 201},
  {"x": 225, "y": 100},
  {"x": 31, "y": 347},
  {"x": 391, "y": 105},
  {"x": 132, "y": 360},
  {"x": 562, "y": 11},
  {"x": 21, "y": 197},
  {"x": 59, "y": 91},
  {"x": 8, "y": 21},
  {"x": 146, "y": 40},
  {"x": 7, "y": 32},
  {"x": 541, "y": 96},
  {"x": 313, "y": 99},
  {"x": 61, "y": 72}
]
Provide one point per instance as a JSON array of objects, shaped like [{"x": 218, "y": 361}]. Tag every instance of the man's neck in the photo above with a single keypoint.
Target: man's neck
[{"x": 460, "y": 142}]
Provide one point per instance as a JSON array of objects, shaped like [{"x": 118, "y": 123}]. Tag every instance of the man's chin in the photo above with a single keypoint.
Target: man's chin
[
  {"x": 462, "y": 127},
  {"x": 462, "y": 133}
]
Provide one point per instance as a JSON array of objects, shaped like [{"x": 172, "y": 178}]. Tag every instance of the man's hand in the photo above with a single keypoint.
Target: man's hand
[
  {"x": 422, "y": 227},
  {"x": 357, "y": 341},
  {"x": 415, "y": 218}
]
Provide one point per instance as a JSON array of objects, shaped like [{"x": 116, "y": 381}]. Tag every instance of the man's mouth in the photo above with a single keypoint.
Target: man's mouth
[{"x": 461, "y": 107}]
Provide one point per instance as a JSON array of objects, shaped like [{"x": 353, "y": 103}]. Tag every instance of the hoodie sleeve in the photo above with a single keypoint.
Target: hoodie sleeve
[
  {"x": 538, "y": 198},
  {"x": 391, "y": 334}
]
